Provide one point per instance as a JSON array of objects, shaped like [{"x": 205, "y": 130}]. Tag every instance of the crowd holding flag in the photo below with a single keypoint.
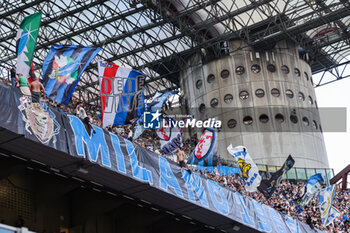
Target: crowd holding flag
[
  {"x": 122, "y": 93},
  {"x": 204, "y": 154},
  {"x": 268, "y": 186},
  {"x": 248, "y": 169},
  {"x": 25, "y": 44},
  {"x": 325, "y": 199},
  {"x": 62, "y": 69},
  {"x": 312, "y": 186}
]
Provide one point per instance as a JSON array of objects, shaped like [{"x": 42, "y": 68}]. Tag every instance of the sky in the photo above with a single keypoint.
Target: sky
[{"x": 336, "y": 94}]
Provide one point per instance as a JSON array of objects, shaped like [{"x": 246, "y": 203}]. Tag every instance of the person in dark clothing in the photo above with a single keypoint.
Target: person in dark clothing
[
  {"x": 309, "y": 222},
  {"x": 12, "y": 75},
  {"x": 88, "y": 125}
]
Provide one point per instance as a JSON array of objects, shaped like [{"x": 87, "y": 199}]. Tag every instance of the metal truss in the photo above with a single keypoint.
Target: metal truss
[{"x": 158, "y": 36}]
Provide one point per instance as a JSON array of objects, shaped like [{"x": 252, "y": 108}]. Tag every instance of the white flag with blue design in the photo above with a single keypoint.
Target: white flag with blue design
[
  {"x": 325, "y": 199},
  {"x": 248, "y": 169},
  {"x": 310, "y": 189}
]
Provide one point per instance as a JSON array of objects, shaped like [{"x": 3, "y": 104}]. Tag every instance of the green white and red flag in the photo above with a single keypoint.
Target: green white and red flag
[{"x": 25, "y": 45}]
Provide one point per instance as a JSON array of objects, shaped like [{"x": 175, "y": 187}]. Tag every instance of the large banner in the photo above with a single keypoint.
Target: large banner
[
  {"x": 122, "y": 96},
  {"x": 62, "y": 69},
  {"x": 38, "y": 122},
  {"x": 125, "y": 158}
]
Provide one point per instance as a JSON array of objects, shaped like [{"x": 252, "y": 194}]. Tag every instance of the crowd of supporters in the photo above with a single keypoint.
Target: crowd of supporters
[{"x": 282, "y": 200}]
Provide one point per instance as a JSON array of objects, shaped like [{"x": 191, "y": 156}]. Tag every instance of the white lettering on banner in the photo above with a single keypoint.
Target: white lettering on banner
[
  {"x": 122, "y": 94},
  {"x": 161, "y": 174}
]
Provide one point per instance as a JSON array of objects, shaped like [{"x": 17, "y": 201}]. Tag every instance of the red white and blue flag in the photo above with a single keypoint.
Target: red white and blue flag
[
  {"x": 204, "y": 153},
  {"x": 122, "y": 96}
]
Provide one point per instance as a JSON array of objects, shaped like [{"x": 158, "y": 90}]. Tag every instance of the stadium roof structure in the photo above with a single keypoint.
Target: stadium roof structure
[{"x": 157, "y": 36}]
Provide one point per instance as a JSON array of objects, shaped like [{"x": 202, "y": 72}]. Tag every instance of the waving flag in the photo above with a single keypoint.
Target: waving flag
[
  {"x": 311, "y": 188},
  {"x": 204, "y": 154},
  {"x": 325, "y": 198},
  {"x": 268, "y": 186},
  {"x": 25, "y": 45},
  {"x": 158, "y": 100},
  {"x": 122, "y": 96},
  {"x": 138, "y": 131},
  {"x": 170, "y": 137},
  {"x": 333, "y": 214},
  {"x": 62, "y": 69},
  {"x": 248, "y": 169}
]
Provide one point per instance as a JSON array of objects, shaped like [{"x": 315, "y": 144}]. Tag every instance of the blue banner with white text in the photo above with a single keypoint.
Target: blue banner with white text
[{"x": 67, "y": 133}]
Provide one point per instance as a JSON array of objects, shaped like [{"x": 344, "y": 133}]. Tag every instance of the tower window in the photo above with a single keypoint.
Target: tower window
[
  {"x": 214, "y": 103},
  {"x": 289, "y": 94},
  {"x": 285, "y": 69},
  {"x": 211, "y": 78},
  {"x": 306, "y": 121},
  {"x": 243, "y": 95},
  {"x": 264, "y": 118},
  {"x": 240, "y": 70},
  {"x": 301, "y": 96},
  {"x": 310, "y": 100},
  {"x": 256, "y": 68},
  {"x": 275, "y": 92},
  {"x": 279, "y": 118},
  {"x": 228, "y": 98},
  {"x": 260, "y": 93},
  {"x": 232, "y": 123},
  {"x": 271, "y": 68},
  {"x": 247, "y": 120},
  {"x": 199, "y": 84},
  {"x": 225, "y": 74}
]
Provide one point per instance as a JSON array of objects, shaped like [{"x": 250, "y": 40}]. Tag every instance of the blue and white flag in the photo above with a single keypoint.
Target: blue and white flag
[
  {"x": 310, "y": 189},
  {"x": 158, "y": 100},
  {"x": 62, "y": 69},
  {"x": 325, "y": 199},
  {"x": 204, "y": 154},
  {"x": 248, "y": 169},
  {"x": 138, "y": 131},
  {"x": 170, "y": 137}
]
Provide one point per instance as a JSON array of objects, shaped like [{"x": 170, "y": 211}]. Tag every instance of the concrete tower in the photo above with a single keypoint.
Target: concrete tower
[{"x": 265, "y": 100}]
